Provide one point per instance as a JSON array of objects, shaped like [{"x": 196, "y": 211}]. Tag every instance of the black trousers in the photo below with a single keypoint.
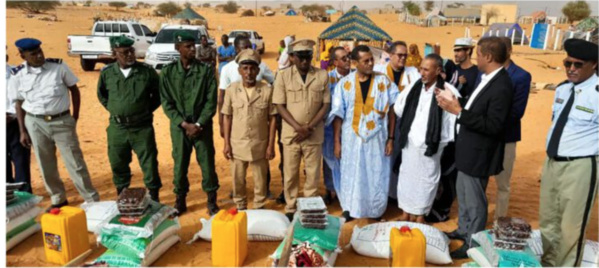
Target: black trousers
[{"x": 18, "y": 156}]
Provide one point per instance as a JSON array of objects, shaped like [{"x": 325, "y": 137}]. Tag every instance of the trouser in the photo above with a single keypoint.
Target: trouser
[
  {"x": 204, "y": 148},
  {"x": 278, "y": 121},
  {"x": 142, "y": 141},
  {"x": 312, "y": 155},
  {"x": 568, "y": 192},
  {"x": 239, "y": 172},
  {"x": 18, "y": 156},
  {"x": 472, "y": 204},
  {"x": 327, "y": 173},
  {"x": 45, "y": 137},
  {"x": 503, "y": 180},
  {"x": 446, "y": 193}
]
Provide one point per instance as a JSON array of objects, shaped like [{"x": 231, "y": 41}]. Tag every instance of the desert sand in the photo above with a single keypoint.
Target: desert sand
[{"x": 94, "y": 120}]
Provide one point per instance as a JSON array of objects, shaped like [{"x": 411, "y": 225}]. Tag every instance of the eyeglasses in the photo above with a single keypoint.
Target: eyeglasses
[
  {"x": 401, "y": 55},
  {"x": 344, "y": 59},
  {"x": 577, "y": 64},
  {"x": 304, "y": 56}
]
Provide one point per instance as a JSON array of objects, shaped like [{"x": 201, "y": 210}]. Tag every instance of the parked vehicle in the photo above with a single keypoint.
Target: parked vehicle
[
  {"x": 163, "y": 52},
  {"x": 255, "y": 38},
  {"x": 96, "y": 47}
]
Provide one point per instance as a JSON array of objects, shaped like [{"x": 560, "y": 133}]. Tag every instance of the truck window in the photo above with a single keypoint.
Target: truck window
[
  {"x": 107, "y": 28},
  {"x": 137, "y": 30},
  {"x": 124, "y": 28},
  {"x": 147, "y": 31},
  {"x": 99, "y": 28},
  {"x": 115, "y": 27}
]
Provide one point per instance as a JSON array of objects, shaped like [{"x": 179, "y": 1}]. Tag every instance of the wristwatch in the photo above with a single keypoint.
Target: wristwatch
[{"x": 198, "y": 124}]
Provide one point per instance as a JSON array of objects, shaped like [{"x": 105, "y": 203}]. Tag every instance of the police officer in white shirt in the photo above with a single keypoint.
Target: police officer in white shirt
[
  {"x": 41, "y": 88},
  {"x": 569, "y": 178}
]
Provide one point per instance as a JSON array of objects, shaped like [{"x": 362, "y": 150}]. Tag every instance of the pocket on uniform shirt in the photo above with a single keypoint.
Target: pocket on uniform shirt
[
  {"x": 581, "y": 118},
  {"x": 294, "y": 95},
  {"x": 237, "y": 108},
  {"x": 317, "y": 94}
]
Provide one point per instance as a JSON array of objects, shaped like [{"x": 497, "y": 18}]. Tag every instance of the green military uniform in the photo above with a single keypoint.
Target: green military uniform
[
  {"x": 131, "y": 101},
  {"x": 190, "y": 96}
]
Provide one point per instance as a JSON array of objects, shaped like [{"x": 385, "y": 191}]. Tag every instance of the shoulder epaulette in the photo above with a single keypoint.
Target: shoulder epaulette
[
  {"x": 106, "y": 67},
  {"x": 563, "y": 83},
  {"x": 146, "y": 65},
  {"x": 53, "y": 60},
  {"x": 16, "y": 69}
]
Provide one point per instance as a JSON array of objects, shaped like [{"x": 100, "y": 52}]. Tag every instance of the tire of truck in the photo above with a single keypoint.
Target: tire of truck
[
  {"x": 88, "y": 65},
  {"x": 261, "y": 51}
]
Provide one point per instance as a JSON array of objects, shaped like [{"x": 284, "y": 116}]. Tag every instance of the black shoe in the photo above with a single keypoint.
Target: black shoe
[
  {"x": 65, "y": 203},
  {"x": 155, "y": 195},
  {"x": 455, "y": 235},
  {"x": 180, "y": 205},
  {"x": 460, "y": 253},
  {"x": 281, "y": 199},
  {"x": 328, "y": 198},
  {"x": 231, "y": 195},
  {"x": 289, "y": 216},
  {"x": 212, "y": 206},
  {"x": 347, "y": 217}
]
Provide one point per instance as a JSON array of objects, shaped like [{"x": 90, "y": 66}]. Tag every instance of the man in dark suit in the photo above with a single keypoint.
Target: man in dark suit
[
  {"x": 480, "y": 138},
  {"x": 521, "y": 82}
]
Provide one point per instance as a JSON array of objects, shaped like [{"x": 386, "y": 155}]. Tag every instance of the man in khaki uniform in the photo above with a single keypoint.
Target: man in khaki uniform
[
  {"x": 249, "y": 129},
  {"x": 302, "y": 97}
]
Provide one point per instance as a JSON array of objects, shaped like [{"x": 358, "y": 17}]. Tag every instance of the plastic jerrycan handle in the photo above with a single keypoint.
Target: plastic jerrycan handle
[
  {"x": 231, "y": 214},
  {"x": 405, "y": 230},
  {"x": 54, "y": 211}
]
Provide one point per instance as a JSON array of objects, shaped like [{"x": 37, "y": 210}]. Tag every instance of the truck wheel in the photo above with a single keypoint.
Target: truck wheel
[{"x": 88, "y": 65}]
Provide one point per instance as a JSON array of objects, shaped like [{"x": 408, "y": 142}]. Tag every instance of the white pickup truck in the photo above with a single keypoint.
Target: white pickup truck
[
  {"x": 95, "y": 48},
  {"x": 256, "y": 40},
  {"x": 163, "y": 52}
]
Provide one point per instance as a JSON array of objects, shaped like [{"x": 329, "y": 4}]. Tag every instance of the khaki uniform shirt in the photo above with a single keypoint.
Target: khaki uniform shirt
[
  {"x": 249, "y": 129},
  {"x": 303, "y": 100}
]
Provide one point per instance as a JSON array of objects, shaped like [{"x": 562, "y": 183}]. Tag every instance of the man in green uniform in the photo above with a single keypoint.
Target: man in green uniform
[
  {"x": 129, "y": 91},
  {"x": 188, "y": 93}
]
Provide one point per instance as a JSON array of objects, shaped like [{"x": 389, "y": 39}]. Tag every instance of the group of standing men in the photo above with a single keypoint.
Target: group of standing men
[{"x": 374, "y": 125}]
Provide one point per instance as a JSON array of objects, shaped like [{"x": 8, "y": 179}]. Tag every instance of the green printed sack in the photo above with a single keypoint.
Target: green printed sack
[{"x": 139, "y": 247}]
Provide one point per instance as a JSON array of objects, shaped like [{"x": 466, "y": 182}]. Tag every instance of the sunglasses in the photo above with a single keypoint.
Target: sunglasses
[
  {"x": 577, "y": 64},
  {"x": 401, "y": 55},
  {"x": 304, "y": 56},
  {"x": 344, "y": 59}
]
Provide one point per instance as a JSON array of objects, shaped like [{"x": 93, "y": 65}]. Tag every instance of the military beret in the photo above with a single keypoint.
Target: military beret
[
  {"x": 302, "y": 45},
  {"x": 27, "y": 44},
  {"x": 581, "y": 49},
  {"x": 121, "y": 41},
  {"x": 183, "y": 36},
  {"x": 248, "y": 56}
]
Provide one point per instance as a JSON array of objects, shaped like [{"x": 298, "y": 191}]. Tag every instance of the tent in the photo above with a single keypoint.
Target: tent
[
  {"x": 189, "y": 14},
  {"x": 353, "y": 27},
  {"x": 500, "y": 29},
  {"x": 587, "y": 24},
  {"x": 291, "y": 12}
]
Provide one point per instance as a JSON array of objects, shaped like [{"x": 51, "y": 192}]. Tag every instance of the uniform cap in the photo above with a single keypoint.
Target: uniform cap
[
  {"x": 581, "y": 49},
  {"x": 121, "y": 41},
  {"x": 183, "y": 36},
  {"x": 248, "y": 56},
  {"x": 302, "y": 45},
  {"x": 27, "y": 44}
]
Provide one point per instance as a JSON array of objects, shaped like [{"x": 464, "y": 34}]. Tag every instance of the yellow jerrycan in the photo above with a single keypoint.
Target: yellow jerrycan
[
  {"x": 229, "y": 238},
  {"x": 65, "y": 236},
  {"x": 407, "y": 247}
]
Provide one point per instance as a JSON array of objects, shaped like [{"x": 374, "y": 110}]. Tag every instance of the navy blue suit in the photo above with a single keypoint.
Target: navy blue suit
[{"x": 521, "y": 83}]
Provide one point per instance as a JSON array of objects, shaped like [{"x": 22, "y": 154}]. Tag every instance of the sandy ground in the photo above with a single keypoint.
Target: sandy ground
[{"x": 94, "y": 120}]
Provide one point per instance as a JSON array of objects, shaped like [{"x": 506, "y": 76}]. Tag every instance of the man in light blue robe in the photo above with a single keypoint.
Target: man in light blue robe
[{"x": 364, "y": 133}]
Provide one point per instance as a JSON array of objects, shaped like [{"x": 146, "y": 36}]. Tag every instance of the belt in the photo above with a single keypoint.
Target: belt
[
  {"x": 48, "y": 118},
  {"x": 132, "y": 119},
  {"x": 568, "y": 159}
]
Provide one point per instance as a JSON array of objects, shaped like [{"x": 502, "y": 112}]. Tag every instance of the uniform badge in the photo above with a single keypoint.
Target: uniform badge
[
  {"x": 560, "y": 101},
  {"x": 585, "y": 109}
]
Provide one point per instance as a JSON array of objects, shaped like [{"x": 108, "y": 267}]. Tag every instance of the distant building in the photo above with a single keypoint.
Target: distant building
[
  {"x": 504, "y": 14},
  {"x": 471, "y": 13}
]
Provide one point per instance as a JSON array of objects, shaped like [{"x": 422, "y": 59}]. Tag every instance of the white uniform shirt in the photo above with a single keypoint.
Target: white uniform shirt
[
  {"x": 10, "y": 102},
  {"x": 417, "y": 135},
  {"x": 44, "y": 90},
  {"x": 484, "y": 80},
  {"x": 230, "y": 74}
]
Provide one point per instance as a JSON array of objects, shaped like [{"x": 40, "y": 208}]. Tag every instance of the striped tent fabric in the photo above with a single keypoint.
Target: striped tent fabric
[{"x": 354, "y": 25}]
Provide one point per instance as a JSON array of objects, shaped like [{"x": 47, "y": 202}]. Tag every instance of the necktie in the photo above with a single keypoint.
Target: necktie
[{"x": 559, "y": 126}]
